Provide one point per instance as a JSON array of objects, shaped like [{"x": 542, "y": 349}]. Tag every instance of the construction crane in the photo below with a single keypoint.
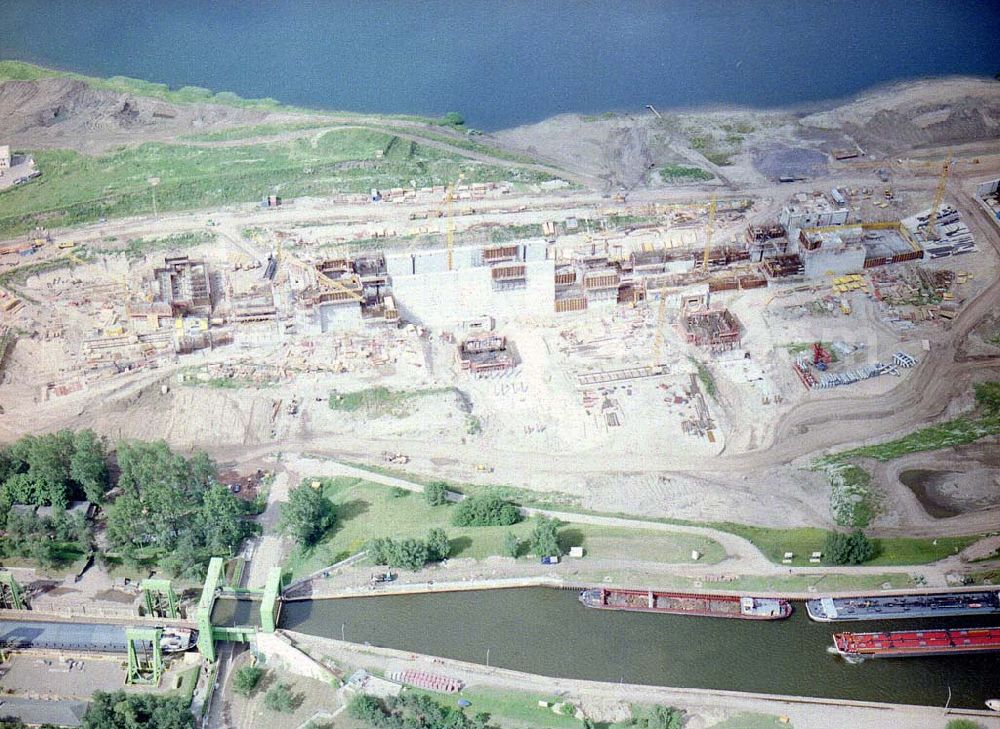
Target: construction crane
[
  {"x": 661, "y": 313},
  {"x": 450, "y": 237},
  {"x": 708, "y": 233},
  {"x": 930, "y": 234}
]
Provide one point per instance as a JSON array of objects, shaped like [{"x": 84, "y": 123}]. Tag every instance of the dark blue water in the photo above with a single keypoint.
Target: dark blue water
[{"x": 506, "y": 63}]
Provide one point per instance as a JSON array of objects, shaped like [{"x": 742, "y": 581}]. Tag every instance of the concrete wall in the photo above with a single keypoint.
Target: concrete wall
[
  {"x": 821, "y": 262},
  {"x": 279, "y": 648},
  {"x": 447, "y": 298}
]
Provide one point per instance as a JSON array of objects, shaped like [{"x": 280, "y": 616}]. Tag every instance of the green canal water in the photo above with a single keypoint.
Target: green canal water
[{"x": 546, "y": 631}]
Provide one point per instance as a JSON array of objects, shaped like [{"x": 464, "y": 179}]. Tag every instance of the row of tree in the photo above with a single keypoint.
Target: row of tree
[
  {"x": 172, "y": 509},
  {"x": 412, "y": 711},
  {"x": 117, "y": 710},
  {"x": 410, "y": 554},
  {"x": 53, "y": 470}
]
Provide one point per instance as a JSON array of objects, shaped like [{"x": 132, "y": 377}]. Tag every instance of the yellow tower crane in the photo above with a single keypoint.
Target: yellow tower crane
[
  {"x": 450, "y": 237},
  {"x": 930, "y": 234},
  {"x": 708, "y": 233}
]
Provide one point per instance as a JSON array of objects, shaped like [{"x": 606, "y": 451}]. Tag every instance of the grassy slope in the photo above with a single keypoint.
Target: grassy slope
[
  {"x": 367, "y": 510},
  {"x": 772, "y": 541},
  {"x": 76, "y": 188}
]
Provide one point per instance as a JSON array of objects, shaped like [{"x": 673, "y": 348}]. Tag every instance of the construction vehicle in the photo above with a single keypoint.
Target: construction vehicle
[
  {"x": 822, "y": 359},
  {"x": 712, "y": 205}
]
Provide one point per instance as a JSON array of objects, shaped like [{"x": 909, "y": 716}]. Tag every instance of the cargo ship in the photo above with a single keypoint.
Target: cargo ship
[
  {"x": 908, "y": 643},
  {"x": 680, "y": 603},
  {"x": 895, "y": 607}
]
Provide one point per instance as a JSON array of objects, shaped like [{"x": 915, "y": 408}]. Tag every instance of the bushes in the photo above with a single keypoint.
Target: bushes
[
  {"x": 279, "y": 698},
  {"x": 988, "y": 397},
  {"x": 854, "y": 548},
  {"x": 436, "y": 493},
  {"x": 412, "y": 711},
  {"x": 308, "y": 515},
  {"x": 511, "y": 545},
  {"x": 245, "y": 679},
  {"x": 410, "y": 554},
  {"x": 487, "y": 510},
  {"x": 545, "y": 539}
]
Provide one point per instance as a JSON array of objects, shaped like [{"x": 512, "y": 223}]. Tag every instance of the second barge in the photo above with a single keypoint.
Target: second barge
[
  {"x": 906, "y": 643},
  {"x": 680, "y": 603},
  {"x": 894, "y": 607}
]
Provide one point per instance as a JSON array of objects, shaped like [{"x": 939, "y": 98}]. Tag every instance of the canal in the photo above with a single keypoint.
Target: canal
[{"x": 546, "y": 631}]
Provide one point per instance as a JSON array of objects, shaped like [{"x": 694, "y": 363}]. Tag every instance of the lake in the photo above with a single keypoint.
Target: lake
[{"x": 503, "y": 64}]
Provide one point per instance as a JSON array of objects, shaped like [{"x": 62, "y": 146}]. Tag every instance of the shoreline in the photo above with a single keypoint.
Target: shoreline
[{"x": 273, "y": 105}]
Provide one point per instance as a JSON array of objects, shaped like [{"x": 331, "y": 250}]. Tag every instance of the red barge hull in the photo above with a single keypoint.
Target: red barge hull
[{"x": 907, "y": 643}]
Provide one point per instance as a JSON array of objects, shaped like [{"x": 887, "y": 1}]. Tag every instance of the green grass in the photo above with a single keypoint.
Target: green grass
[
  {"x": 799, "y": 348},
  {"x": 894, "y": 551},
  {"x": 705, "y": 377},
  {"x": 520, "y": 707},
  {"x": 139, "y": 247},
  {"x": 670, "y": 173},
  {"x": 188, "y": 681},
  {"x": 379, "y": 401},
  {"x": 960, "y": 431},
  {"x": 367, "y": 510},
  {"x": 18, "y": 275},
  {"x": 77, "y": 188}
]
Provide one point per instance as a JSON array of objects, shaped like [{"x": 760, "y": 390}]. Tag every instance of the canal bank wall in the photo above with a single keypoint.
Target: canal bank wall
[
  {"x": 593, "y": 696},
  {"x": 317, "y": 590}
]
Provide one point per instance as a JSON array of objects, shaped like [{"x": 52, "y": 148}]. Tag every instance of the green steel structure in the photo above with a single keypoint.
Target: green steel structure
[
  {"x": 269, "y": 604},
  {"x": 11, "y": 595},
  {"x": 145, "y": 656},
  {"x": 160, "y": 598},
  {"x": 206, "y": 638}
]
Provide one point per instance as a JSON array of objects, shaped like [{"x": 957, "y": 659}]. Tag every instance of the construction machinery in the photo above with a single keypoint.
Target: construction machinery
[
  {"x": 930, "y": 232},
  {"x": 712, "y": 205}
]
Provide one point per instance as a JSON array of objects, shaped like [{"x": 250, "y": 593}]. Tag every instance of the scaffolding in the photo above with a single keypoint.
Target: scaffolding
[
  {"x": 11, "y": 595},
  {"x": 160, "y": 599},
  {"x": 145, "y": 656}
]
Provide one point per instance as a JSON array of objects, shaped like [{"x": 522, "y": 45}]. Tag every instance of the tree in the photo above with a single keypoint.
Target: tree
[
  {"x": 221, "y": 520},
  {"x": 380, "y": 550},
  {"x": 438, "y": 546},
  {"x": 665, "y": 717},
  {"x": 411, "y": 554},
  {"x": 854, "y": 548},
  {"x": 279, "y": 698},
  {"x": 435, "y": 493},
  {"x": 486, "y": 510},
  {"x": 307, "y": 515},
  {"x": 119, "y": 710},
  {"x": 511, "y": 545},
  {"x": 245, "y": 679},
  {"x": 365, "y": 708},
  {"x": 89, "y": 465},
  {"x": 545, "y": 538},
  {"x": 453, "y": 118}
]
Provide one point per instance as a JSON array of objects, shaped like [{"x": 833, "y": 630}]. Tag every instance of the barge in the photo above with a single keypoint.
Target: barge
[
  {"x": 909, "y": 643},
  {"x": 680, "y": 603},
  {"x": 894, "y": 607}
]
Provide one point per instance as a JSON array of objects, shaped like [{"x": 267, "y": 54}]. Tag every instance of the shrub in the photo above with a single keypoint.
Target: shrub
[
  {"x": 545, "y": 539},
  {"x": 279, "y": 698},
  {"x": 853, "y": 548},
  {"x": 436, "y": 493},
  {"x": 511, "y": 545},
  {"x": 487, "y": 510},
  {"x": 438, "y": 545},
  {"x": 245, "y": 679},
  {"x": 307, "y": 515}
]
